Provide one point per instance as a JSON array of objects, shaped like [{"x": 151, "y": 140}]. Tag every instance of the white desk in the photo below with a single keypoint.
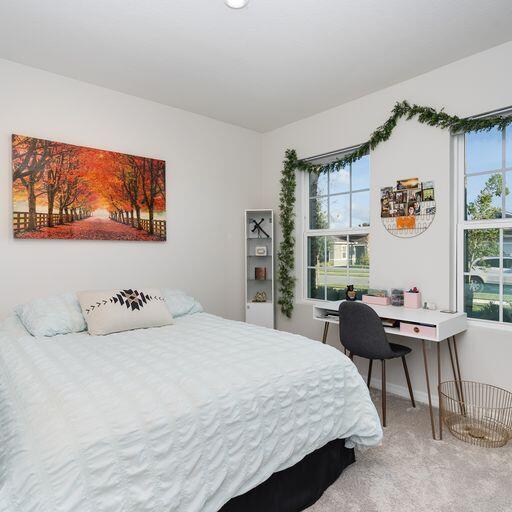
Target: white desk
[{"x": 440, "y": 327}]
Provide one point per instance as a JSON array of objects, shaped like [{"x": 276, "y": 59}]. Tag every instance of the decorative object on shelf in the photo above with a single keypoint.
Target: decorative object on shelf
[
  {"x": 350, "y": 293},
  {"x": 397, "y": 297},
  {"x": 260, "y": 297},
  {"x": 291, "y": 164},
  {"x": 476, "y": 413},
  {"x": 260, "y": 251},
  {"x": 432, "y": 306},
  {"x": 412, "y": 298},
  {"x": 408, "y": 209},
  {"x": 260, "y": 273},
  {"x": 257, "y": 228},
  {"x": 62, "y": 191}
]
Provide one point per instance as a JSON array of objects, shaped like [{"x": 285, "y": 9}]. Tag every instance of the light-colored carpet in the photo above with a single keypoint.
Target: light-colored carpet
[{"x": 410, "y": 472}]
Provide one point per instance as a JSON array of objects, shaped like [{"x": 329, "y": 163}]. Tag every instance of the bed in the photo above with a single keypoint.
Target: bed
[{"x": 186, "y": 417}]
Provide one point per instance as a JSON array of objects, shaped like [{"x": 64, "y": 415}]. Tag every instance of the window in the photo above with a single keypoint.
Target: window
[
  {"x": 337, "y": 224},
  {"x": 485, "y": 226}
]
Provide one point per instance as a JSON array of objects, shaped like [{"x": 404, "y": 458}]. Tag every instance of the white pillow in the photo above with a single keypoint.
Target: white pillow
[
  {"x": 59, "y": 314},
  {"x": 181, "y": 304},
  {"x": 122, "y": 310}
]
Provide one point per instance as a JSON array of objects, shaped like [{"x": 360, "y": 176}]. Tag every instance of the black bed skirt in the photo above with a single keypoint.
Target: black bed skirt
[{"x": 298, "y": 487}]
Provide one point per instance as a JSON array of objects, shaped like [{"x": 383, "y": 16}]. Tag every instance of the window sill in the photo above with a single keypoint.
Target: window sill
[
  {"x": 489, "y": 324},
  {"x": 311, "y": 302}
]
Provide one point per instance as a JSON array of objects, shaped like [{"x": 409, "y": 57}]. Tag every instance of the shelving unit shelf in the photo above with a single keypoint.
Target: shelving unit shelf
[{"x": 259, "y": 253}]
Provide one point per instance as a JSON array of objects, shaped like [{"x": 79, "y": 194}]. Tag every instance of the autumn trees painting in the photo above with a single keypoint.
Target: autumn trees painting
[{"x": 74, "y": 192}]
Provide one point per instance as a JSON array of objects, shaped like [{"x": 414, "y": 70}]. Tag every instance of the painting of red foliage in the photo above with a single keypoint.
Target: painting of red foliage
[{"x": 74, "y": 192}]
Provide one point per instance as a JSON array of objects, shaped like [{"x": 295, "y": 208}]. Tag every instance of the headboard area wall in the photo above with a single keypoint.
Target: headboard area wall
[{"x": 206, "y": 161}]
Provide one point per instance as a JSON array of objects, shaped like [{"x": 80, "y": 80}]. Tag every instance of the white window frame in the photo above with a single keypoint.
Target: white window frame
[
  {"x": 463, "y": 225},
  {"x": 307, "y": 232}
]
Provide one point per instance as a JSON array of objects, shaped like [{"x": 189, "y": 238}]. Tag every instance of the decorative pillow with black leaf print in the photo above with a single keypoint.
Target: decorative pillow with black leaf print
[{"x": 122, "y": 310}]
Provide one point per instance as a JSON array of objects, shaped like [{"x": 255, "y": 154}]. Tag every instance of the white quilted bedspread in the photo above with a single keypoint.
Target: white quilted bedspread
[{"x": 179, "y": 418}]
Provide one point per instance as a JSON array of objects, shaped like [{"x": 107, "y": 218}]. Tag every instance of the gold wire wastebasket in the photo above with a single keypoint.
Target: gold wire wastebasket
[{"x": 476, "y": 413}]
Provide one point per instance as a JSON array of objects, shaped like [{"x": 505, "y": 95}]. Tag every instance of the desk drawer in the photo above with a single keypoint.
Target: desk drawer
[{"x": 418, "y": 331}]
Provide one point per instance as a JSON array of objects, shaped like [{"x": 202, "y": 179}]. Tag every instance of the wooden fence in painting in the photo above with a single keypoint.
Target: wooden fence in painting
[
  {"x": 159, "y": 226},
  {"x": 21, "y": 220}
]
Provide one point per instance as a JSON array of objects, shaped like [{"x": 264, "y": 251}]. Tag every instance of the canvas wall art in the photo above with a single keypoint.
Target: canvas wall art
[{"x": 62, "y": 191}]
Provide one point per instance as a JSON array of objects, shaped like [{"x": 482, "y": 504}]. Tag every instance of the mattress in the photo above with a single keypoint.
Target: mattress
[{"x": 176, "y": 418}]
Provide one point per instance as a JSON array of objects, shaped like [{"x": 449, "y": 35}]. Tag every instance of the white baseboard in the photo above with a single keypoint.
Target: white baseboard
[{"x": 402, "y": 391}]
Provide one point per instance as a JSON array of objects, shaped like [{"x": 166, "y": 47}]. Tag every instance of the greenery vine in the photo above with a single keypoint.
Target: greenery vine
[{"x": 291, "y": 164}]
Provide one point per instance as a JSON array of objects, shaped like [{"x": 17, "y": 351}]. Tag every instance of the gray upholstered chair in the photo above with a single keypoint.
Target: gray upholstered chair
[{"x": 362, "y": 334}]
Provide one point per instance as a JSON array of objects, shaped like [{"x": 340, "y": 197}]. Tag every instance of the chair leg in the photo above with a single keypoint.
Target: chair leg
[
  {"x": 406, "y": 371},
  {"x": 369, "y": 373},
  {"x": 383, "y": 392},
  {"x": 351, "y": 356}
]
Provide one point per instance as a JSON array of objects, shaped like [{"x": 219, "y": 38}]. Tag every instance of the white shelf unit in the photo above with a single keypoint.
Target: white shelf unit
[{"x": 259, "y": 313}]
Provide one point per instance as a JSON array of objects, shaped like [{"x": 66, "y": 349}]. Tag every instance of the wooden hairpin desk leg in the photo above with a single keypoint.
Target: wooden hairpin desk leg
[
  {"x": 438, "y": 388},
  {"x": 457, "y": 359},
  {"x": 456, "y": 373},
  {"x": 326, "y": 331},
  {"x": 425, "y": 361}
]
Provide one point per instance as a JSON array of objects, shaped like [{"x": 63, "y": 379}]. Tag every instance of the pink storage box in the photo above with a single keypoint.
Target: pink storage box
[
  {"x": 415, "y": 330},
  {"x": 380, "y": 301},
  {"x": 412, "y": 300}
]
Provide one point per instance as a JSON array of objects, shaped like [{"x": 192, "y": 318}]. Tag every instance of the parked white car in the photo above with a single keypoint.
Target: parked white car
[{"x": 487, "y": 271}]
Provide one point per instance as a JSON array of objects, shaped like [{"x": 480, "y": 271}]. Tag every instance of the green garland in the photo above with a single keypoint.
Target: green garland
[{"x": 425, "y": 115}]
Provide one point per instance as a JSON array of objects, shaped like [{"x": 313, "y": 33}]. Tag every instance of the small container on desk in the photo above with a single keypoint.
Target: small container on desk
[
  {"x": 380, "y": 301},
  {"x": 397, "y": 297},
  {"x": 412, "y": 300}
]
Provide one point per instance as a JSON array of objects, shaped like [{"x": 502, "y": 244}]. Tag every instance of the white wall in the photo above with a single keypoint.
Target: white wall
[
  {"x": 474, "y": 85},
  {"x": 210, "y": 181},
  {"x": 213, "y": 170}
]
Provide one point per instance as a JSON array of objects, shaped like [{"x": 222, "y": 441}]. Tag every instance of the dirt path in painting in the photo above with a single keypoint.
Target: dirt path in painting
[{"x": 93, "y": 228}]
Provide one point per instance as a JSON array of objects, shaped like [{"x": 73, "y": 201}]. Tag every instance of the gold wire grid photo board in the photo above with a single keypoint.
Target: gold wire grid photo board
[{"x": 408, "y": 208}]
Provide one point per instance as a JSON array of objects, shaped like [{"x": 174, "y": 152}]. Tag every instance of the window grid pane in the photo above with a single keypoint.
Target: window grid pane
[
  {"x": 339, "y": 211},
  {"x": 339, "y": 181},
  {"x": 484, "y": 194},
  {"x": 318, "y": 184},
  {"x": 360, "y": 209},
  {"x": 337, "y": 266},
  {"x": 484, "y": 150},
  {"x": 359, "y": 263},
  {"x": 318, "y": 213},
  {"x": 360, "y": 171}
]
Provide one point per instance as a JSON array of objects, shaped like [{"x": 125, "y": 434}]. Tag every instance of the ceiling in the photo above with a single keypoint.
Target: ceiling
[{"x": 272, "y": 63}]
